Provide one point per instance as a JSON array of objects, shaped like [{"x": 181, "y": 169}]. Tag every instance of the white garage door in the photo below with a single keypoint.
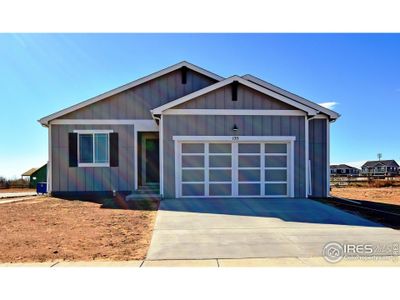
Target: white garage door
[{"x": 233, "y": 169}]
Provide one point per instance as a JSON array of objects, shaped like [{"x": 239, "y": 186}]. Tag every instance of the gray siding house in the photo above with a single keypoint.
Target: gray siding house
[
  {"x": 380, "y": 168},
  {"x": 187, "y": 132},
  {"x": 344, "y": 170}
]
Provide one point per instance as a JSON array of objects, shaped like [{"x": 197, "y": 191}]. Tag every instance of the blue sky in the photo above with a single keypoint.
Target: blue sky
[{"x": 43, "y": 73}]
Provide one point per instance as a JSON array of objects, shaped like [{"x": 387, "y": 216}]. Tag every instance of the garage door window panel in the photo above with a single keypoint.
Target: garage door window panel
[
  {"x": 220, "y": 189},
  {"x": 249, "y": 161},
  {"x": 192, "y": 189},
  {"x": 246, "y": 189},
  {"x": 220, "y": 148},
  {"x": 220, "y": 161},
  {"x": 192, "y": 175},
  {"x": 194, "y": 148},
  {"x": 191, "y": 161},
  {"x": 249, "y": 175},
  {"x": 220, "y": 175},
  {"x": 276, "y": 161}
]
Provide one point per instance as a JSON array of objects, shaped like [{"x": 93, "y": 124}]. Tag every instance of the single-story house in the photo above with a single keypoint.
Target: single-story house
[
  {"x": 187, "y": 132},
  {"x": 36, "y": 175},
  {"x": 27, "y": 174},
  {"x": 379, "y": 168},
  {"x": 344, "y": 170}
]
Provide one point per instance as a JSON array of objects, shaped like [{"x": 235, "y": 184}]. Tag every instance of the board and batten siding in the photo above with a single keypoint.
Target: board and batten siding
[
  {"x": 92, "y": 179},
  {"x": 247, "y": 98},
  {"x": 318, "y": 156},
  {"x": 136, "y": 103},
  {"x": 204, "y": 125}
]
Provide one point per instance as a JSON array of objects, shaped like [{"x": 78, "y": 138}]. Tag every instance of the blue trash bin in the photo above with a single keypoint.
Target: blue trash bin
[{"x": 41, "y": 187}]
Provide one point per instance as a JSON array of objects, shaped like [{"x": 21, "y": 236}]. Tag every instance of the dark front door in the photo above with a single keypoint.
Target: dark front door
[{"x": 152, "y": 156}]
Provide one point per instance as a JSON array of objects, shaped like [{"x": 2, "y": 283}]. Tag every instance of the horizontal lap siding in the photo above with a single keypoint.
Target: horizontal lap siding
[
  {"x": 222, "y": 99},
  {"x": 222, "y": 126},
  {"x": 318, "y": 157},
  {"x": 137, "y": 102},
  {"x": 98, "y": 179}
]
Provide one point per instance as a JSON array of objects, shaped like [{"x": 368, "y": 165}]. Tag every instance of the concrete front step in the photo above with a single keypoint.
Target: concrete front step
[{"x": 143, "y": 196}]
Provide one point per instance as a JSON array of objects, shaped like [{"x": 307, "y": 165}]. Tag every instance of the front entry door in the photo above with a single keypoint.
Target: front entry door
[{"x": 150, "y": 159}]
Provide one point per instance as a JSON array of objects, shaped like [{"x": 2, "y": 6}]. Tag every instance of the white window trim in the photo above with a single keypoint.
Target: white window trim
[
  {"x": 241, "y": 139},
  {"x": 93, "y": 132},
  {"x": 236, "y": 112},
  {"x": 289, "y": 140}
]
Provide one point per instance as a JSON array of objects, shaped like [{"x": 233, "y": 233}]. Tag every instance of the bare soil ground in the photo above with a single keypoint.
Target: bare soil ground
[
  {"x": 16, "y": 190},
  {"x": 390, "y": 195},
  {"x": 50, "y": 229}
]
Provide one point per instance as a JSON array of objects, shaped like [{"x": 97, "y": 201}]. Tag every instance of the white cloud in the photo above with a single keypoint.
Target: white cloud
[{"x": 329, "y": 105}]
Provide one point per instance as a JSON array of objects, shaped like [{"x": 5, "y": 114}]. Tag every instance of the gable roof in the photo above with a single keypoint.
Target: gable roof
[
  {"x": 342, "y": 166},
  {"x": 39, "y": 169},
  {"x": 332, "y": 114},
  {"x": 45, "y": 121},
  {"x": 29, "y": 172},
  {"x": 374, "y": 163},
  {"x": 285, "y": 99}
]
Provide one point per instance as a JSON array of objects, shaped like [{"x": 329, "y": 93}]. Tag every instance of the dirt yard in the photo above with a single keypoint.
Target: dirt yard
[
  {"x": 50, "y": 229},
  {"x": 389, "y": 195},
  {"x": 16, "y": 190}
]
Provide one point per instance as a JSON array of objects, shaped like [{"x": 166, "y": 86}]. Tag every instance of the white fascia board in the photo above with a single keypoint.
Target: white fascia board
[
  {"x": 227, "y": 81},
  {"x": 332, "y": 114},
  {"x": 235, "y": 112},
  {"x": 140, "y": 125},
  {"x": 44, "y": 121},
  {"x": 235, "y": 138}
]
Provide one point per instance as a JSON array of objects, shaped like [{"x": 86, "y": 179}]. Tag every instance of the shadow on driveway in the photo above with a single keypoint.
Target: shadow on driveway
[{"x": 290, "y": 210}]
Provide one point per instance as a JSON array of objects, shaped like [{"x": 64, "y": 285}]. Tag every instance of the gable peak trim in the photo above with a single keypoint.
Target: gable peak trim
[
  {"x": 45, "y": 120},
  {"x": 227, "y": 81}
]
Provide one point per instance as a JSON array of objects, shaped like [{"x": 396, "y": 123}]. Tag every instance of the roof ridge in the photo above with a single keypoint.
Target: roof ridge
[{"x": 45, "y": 120}]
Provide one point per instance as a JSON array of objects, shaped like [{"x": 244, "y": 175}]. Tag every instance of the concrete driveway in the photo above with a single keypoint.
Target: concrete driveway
[{"x": 257, "y": 228}]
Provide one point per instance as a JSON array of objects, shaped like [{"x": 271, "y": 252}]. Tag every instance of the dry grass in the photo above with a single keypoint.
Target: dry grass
[
  {"x": 48, "y": 229},
  {"x": 390, "y": 195}
]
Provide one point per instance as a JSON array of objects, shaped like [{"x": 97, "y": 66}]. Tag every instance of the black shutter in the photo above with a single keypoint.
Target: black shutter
[
  {"x": 234, "y": 90},
  {"x": 113, "y": 149},
  {"x": 184, "y": 74},
  {"x": 73, "y": 149}
]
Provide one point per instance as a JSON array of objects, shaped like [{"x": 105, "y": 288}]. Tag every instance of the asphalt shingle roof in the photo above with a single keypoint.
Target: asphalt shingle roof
[{"x": 373, "y": 163}]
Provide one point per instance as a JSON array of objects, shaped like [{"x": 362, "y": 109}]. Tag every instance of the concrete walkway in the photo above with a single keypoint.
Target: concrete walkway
[
  {"x": 196, "y": 229},
  {"x": 16, "y": 195},
  {"x": 17, "y": 199},
  {"x": 214, "y": 263}
]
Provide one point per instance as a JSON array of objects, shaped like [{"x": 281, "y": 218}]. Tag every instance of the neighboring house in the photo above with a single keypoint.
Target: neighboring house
[
  {"x": 344, "y": 170},
  {"x": 379, "y": 168},
  {"x": 191, "y": 133},
  {"x": 28, "y": 175},
  {"x": 36, "y": 175}
]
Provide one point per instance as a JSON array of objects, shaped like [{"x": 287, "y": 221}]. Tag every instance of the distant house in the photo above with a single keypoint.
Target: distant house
[
  {"x": 36, "y": 175},
  {"x": 344, "y": 170},
  {"x": 380, "y": 168}
]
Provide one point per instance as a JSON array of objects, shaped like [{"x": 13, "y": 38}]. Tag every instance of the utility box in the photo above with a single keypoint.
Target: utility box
[{"x": 41, "y": 187}]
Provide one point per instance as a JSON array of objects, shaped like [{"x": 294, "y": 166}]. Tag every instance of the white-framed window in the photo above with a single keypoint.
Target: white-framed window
[{"x": 93, "y": 148}]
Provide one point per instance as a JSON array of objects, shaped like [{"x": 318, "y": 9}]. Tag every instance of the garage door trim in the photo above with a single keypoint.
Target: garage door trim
[{"x": 178, "y": 140}]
